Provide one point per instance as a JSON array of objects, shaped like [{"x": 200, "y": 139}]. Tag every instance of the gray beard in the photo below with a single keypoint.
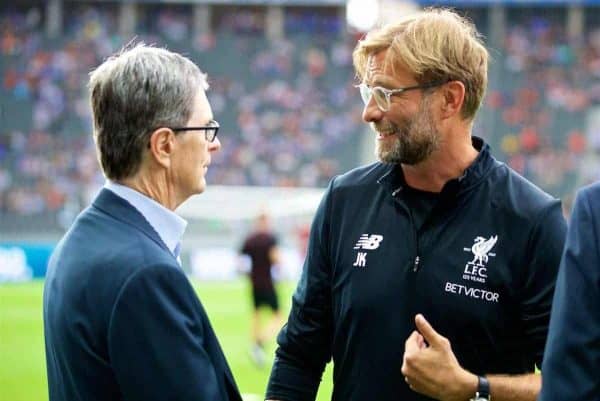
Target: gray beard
[
  {"x": 413, "y": 144},
  {"x": 406, "y": 152}
]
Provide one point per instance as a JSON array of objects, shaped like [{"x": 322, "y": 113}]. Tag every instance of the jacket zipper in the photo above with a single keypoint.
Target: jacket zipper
[
  {"x": 416, "y": 264},
  {"x": 417, "y": 259},
  {"x": 416, "y": 234}
]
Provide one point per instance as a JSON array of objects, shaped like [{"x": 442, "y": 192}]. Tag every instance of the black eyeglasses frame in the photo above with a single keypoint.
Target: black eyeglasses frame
[{"x": 210, "y": 131}]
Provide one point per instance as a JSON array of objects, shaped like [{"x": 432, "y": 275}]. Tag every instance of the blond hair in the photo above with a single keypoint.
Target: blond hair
[{"x": 435, "y": 45}]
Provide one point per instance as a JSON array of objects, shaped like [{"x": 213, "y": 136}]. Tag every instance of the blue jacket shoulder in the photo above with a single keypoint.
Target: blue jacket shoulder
[
  {"x": 519, "y": 194},
  {"x": 362, "y": 176},
  {"x": 591, "y": 191}
]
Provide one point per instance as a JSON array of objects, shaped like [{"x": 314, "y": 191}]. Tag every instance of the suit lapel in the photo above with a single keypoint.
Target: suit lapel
[
  {"x": 117, "y": 207},
  {"x": 233, "y": 393},
  {"x": 108, "y": 202}
]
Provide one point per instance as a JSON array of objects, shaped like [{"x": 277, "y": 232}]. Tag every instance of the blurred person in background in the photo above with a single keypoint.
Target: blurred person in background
[
  {"x": 572, "y": 360},
  {"x": 261, "y": 248},
  {"x": 121, "y": 320},
  {"x": 430, "y": 273}
]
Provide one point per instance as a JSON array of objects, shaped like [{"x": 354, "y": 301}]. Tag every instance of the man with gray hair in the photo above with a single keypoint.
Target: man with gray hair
[
  {"x": 121, "y": 320},
  {"x": 429, "y": 274}
]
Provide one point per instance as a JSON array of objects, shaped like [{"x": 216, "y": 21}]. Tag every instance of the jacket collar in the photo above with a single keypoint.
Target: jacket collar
[
  {"x": 393, "y": 179},
  {"x": 112, "y": 204}
]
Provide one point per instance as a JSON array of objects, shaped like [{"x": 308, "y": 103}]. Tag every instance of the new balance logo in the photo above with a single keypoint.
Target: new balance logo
[{"x": 369, "y": 242}]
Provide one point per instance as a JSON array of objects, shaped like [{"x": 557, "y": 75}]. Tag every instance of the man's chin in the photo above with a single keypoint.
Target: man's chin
[
  {"x": 394, "y": 154},
  {"x": 386, "y": 155},
  {"x": 390, "y": 157},
  {"x": 200, "y": 188},
  {"x": 386, "y": 159},
  {"x": 385, "y": 152}
]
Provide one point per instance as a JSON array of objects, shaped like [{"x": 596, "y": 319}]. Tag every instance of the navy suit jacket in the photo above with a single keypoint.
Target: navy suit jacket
[
  {"x": 121, "y": 320},
  {"x": 571, "y": 367}
]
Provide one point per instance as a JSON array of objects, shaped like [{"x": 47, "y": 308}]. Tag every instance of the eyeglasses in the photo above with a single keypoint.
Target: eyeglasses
[
  {"x": 210, "y": 130},
  {"x": 382, "y": 95}
]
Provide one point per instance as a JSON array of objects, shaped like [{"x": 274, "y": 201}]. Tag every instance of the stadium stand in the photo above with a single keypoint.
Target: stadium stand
[
  {"x": 288, "y": 109},
  {"x": 287, "y": 105},
  {"x": 540, "y": 104}
]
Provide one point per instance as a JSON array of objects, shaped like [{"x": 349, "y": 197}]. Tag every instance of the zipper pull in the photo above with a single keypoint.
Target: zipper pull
[{"x": 416, "y": 265}]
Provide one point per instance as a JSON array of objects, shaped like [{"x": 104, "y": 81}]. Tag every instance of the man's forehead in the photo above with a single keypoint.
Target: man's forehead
[
  {"x": 378, "y": 69},
  {"x": 202, "y": 109}
]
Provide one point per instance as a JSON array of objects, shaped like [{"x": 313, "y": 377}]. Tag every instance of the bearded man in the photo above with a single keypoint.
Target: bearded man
[{"x": 430, "y": 273}]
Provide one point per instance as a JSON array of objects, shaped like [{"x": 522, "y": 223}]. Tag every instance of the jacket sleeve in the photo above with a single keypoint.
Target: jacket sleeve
[
  {"x": 570, "y": 368},
  {"x": 305, "y": 341},
  {"x": 543, "y": 259},
  {"x": 156, "y": 337}
]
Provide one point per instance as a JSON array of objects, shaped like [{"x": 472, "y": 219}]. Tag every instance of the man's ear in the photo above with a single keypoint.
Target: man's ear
[
  {"x": 162, "y": 144},
  {"x": 453, "y": 98}
]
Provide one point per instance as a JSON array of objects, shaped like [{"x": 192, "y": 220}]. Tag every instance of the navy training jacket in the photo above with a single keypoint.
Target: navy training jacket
[{"x": 481, "y": 269}]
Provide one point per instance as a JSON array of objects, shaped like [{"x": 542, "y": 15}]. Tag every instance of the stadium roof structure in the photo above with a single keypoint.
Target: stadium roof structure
[
  {"x": 482, "y": 3},
  {"x": 244, "y": 2}
]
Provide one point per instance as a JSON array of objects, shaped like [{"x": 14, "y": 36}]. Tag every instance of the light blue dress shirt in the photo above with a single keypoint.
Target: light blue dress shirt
[{"x": 169, "y": 226}]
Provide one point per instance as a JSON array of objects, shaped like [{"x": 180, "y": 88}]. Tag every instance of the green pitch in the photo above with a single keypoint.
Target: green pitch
[{"x": 22, "y": 363}]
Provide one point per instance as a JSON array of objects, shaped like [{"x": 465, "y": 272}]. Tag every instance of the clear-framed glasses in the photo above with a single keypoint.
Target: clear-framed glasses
[
  {"x": 382, "y": 95},
  {"x": 210, "y": 130}
]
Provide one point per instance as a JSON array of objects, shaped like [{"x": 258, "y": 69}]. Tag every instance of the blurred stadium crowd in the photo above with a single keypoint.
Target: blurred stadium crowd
[{"x": 289, "y": 113}]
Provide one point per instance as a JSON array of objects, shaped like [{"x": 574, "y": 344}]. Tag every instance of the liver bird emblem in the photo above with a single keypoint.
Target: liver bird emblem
[{"x": 481, "y": 248}]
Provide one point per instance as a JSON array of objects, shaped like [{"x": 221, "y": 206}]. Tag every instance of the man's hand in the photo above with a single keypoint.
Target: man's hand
[{"x": 430, "y": 367}]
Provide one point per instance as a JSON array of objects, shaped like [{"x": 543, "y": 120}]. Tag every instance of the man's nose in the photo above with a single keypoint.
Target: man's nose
[
  {"x": 214, "y": 145},
  {"x": 371, "y": 112}
]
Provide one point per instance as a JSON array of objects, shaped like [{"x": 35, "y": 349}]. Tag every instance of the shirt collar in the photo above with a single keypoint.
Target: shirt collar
[
  {"x": 169, "y": 226},
  {"x": 394, "y": 177}
]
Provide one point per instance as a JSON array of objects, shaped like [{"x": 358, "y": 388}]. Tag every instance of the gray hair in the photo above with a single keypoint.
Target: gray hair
[{"x": 133, "y": 93}]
